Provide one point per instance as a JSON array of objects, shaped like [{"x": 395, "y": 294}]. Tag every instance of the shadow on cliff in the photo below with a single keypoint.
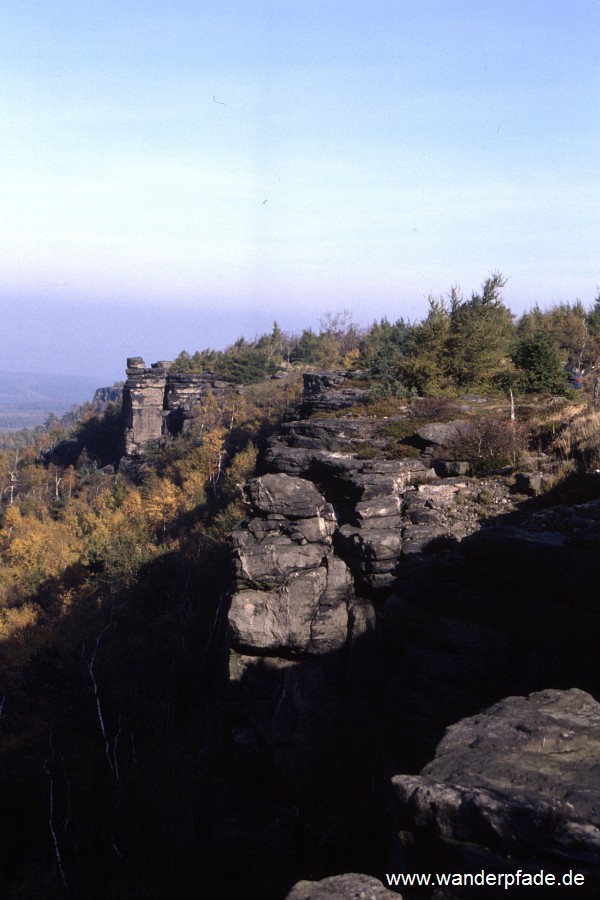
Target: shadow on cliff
[
  {"x": 133, "y": 767},
  {"x": 510, "y": 610},
  {"x": 507, "y": 611},
  {"x": 306, "y": 760}
]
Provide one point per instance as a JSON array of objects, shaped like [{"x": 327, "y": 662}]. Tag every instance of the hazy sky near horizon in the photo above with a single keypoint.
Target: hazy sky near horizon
[{"x": 175, "y": 175}]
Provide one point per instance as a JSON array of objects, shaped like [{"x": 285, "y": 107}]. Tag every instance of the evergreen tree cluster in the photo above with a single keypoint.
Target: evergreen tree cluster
[{"x": 462, "y": 344}]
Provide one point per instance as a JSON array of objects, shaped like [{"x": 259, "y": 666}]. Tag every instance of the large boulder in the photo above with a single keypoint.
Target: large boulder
[
  {"x": 307, "y": 613},
  {"x": 289, "y": 460},
  {"x": 515, "y": 787},
  {"x": 350, "y": 886},
  {"x": 285, "y": 495},
  {"x": 269, "y": 560},
  {"x": 444, "y": 434}
]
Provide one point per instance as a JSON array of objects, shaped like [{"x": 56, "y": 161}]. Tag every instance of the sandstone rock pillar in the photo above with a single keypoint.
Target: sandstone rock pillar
[{"x": 143, "y": 403}]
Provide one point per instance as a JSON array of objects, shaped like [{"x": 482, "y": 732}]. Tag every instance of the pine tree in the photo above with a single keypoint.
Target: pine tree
[{"x": 479, "y": 336}]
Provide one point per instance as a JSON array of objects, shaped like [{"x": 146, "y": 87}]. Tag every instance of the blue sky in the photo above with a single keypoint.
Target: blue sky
[{"x": 174, "y": 175}]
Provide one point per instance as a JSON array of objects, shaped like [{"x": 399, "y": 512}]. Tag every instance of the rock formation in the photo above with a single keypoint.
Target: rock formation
[
  {"x": 394, "y": 597},
  {"x": 294, "y": 595},
  {"x": 158, "y": 403},
  {"x": 331, "y": 391},
  {"x": 380, "y": 594},
  {"x": 294, "y": 603},
  {"x": 105, "y": 395},
  {"x": 143, "y": 404}
]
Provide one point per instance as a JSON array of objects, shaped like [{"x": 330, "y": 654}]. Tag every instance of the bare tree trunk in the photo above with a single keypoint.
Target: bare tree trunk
[
  {"x": 51, "y": 825},
  {"x": 111, "y": 759},
  {"x": 14, "y": 479}
]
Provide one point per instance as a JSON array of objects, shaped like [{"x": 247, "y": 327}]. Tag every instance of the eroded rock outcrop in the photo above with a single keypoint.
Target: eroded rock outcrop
[
  {"x": 330, "y": 392},
  {"x": 143, "y": 404},
  {"x": 302, "y": 643},
  {"x": 294, "y": 604},
  {"x": 515, "y": 787},
  {"x": 294, "y": 595},
  {"x": 368, "y": 494},
  {"x": 158, "y": 404}
]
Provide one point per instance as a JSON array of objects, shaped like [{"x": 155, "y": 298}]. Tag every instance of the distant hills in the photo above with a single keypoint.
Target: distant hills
[{"x": 27, "y": 398}]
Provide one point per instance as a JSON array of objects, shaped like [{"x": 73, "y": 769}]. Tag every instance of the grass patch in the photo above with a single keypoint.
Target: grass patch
[
  {"x": 367, "y": 451},
  {"x": 573, "y": 489},
  {"x": 400, "y": 451},
  {"x": 399, "y": 428},
  {"x": 578, "y": 441},
  {"x": 438, "y": 409},
  {"x": 378, "y": 409}
]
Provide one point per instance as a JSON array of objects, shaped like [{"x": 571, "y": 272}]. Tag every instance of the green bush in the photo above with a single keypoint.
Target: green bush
[{"x": 538, "y": 362}]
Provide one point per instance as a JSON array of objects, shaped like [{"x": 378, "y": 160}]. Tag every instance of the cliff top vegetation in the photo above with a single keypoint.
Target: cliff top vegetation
[{"x": 462, "y": 344}]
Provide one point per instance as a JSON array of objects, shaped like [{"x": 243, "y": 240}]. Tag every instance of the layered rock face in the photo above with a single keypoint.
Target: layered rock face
[
  {"x": 158, "y": 403},
  {"x": 321, "y": 547},
  {"x": 294, "y": 603},
  {"x": 143, "y": 404},
  {"x": 294, "y": 596},
  {"x": 330, "y": 391},
  {"x": 302, "y": 646}
]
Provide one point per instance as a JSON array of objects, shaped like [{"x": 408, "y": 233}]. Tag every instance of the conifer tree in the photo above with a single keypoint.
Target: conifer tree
[
  {"x": 539, "y": 363},
  {"x": 426, "y": 370},
  {"x": 479, "y": 335}
]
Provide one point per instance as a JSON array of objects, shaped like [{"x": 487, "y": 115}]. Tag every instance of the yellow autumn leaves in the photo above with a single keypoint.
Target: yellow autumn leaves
[{"x": 105, "y": 526}]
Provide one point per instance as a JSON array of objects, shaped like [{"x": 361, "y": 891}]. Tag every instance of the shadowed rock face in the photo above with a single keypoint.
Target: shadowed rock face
[
  {"x": 300, "y": 639},
  {"x": 516, "y": 786}
]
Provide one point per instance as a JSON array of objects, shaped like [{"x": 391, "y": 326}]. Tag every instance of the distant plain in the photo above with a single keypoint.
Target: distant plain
[{"x": 27, "y": 399}]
